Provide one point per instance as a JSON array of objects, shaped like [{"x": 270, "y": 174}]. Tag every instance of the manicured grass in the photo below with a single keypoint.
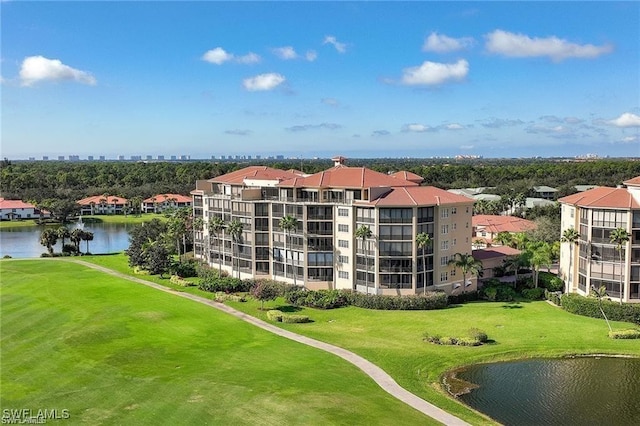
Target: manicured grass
[
  {"x": 393, "y": 339},
  {"x": 146, "y": 217},
  {"x": 18, "y": 223},
  {"x": 114, "y": 352}
]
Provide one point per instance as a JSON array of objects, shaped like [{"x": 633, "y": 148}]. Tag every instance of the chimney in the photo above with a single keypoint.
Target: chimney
[{"x": 338, "y": 161}]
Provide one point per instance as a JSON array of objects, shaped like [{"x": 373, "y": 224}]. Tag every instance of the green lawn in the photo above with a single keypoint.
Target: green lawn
[
  {"x": 393, "y": 339},
  {"x": 114, "y": 352},
  {"x": 146, "y": 217}
]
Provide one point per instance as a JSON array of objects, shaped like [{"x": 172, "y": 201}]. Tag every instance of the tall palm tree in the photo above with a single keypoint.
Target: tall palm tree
[
  {"x": 235, "y": 230},
  {"x": 49, "y": 238},
  {"x": 503, "y": 238},
  {"x": 539, "y": 255},
  {"x": 216, "y": 224},
  {"x": 468, "y": 265},
  {"x": 514, "y": 263},
  {"x": 570, "y": 236},
  {"x": 600, "y": 294},
  {"x": 364, "y": 233},
  {"x": 76, "y": 237},
  {"x": 63, "y": 233},
  {"x": 87, "y": 236},
  {"x": 289, "y": 224},
  {"x": 423, "y": 240},
  {"x": 620, "y": 237}
]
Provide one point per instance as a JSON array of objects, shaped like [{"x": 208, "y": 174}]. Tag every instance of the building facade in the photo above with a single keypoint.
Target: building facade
[
  {"x": 102, "y": 204},
  {"x": 595, "y": 261},
  {"x": 161, "y": 202},
  {"x": 18, "y": 209},
  {"x": 323, "y": 251}
]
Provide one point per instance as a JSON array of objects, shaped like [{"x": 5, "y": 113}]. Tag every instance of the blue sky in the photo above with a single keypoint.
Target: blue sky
[{"x": 307, "y": 79}]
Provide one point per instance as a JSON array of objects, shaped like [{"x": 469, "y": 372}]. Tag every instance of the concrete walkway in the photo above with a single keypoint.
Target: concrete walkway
[{"x": 384, "y": 380}]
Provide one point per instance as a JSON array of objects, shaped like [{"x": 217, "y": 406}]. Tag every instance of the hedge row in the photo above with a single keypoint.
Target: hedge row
[
  {"x": 430, "y": 300},
  {"x": 226, "y": 285},
  {"x": 322, "y": 299},
  {"x": 625, "y": 334},
  {"x": 586, "y": 306},
  {"x": 476, "y": 337},
  {"x": 279, "y": 316}
]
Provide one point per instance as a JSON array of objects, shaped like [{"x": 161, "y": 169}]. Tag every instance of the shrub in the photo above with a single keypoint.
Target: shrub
[
  {"x": 428, "y": 301},
  {"x": 479, "y": 335},
  {"x": 175, "y": 279},
  {"x": 225, "y": 284},
  {"x": 275, "y": 315},
  {"x": 295, "y": 295},
  {"x": 295, "y": 319},
  {"x": 185, "y": 269},
  {"x": 498, "y": 292},
  {"x": 446, "y": 340},
  {"x": 263, "y": 291},
  {"x": 223, "y": 297},
  {"x": 550, "y": 282},
  {"x": 587, "y": 306},
  {"x": 69, "y": 249},
  {"x": 625, "y": 334},
  {"x": 456, "y": 299},
  {"x": 553, "y": 297},
  {"x": 467, "y": 341},
  {"x": 533, "y": 293}
]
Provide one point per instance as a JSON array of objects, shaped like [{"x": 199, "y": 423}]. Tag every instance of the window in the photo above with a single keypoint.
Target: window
[
  {"x": 343, "y": 213},
  {"x": 454, "y": 210},
  {"x": 467, "y": 209},
  {"x": 396, "y": 232},
  {"x": 454, "y": 226},
  {"x": 343, "y": 259},
  {"x": 467, "y": 225},
  {"x": 453, "y": 272},
  {"x": 444, "y": 213},
  {"x": 444, "y": 260},
  {"x": 343, "y": 243},
  {"x": 343, "y": 228},
  {"x": 343, "y": 274},
  {"x": 454, "y": 242},
  {"x": 396, "y": 215},
  {"x": 444, "y": 245},
  {"x": 445, "y": 229},
  {"x": 444, "y": 276}
]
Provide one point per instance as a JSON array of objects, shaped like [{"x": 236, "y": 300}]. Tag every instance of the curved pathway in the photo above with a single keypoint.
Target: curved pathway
[{"x": 384, "y": 380}]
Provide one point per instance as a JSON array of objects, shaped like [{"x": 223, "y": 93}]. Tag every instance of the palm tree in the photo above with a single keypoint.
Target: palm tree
[
  {"x": 519, "y": 241},
  {"x": 289, "y": 224},
  {"x": 87, "y": 236},
  {"x": 600, "y": 294},
  {"x": 49, "y": 238},
  {"x": 423, "y": 240},
  {"x": 540, "y": 254},
  {"x": 468, "y": 265},
  {"x": 216, "y": 224},
  {"x": 76, "y": 237},
  {"x": 364, "y": 233},
  {"x": 235, "y": 230},
  {"x": 503, "y": 238},
  {"x": 63, "y": 233},
  {"x": 620, "y": 237},
  {"x": 570, "y": 236},
  {"x": 514, "y": 263}
]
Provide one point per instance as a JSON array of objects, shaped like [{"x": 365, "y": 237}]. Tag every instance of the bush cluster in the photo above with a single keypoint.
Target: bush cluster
[
  {"x": 495, "y": 291},
  {"x": 553, "y": 296},
  {"x": 176, "y": 279},
  {"x": 225, "y": 284},
  {"x": 625, "y": 334},
  {"x": 475, "y": 337},
  {"x": 223, "y": 297},
  {"x": 456, "y": 299},
  {"x": 550, "y": 282},
  {"x": 587, "y": 306},
  {"x": 533, "y": 293},
  {"x": 430, "y": 300},
  {"x": 279, "y": 316},
  {"x": 185, "y": 268},
  {"x": 321, "y": 299}
]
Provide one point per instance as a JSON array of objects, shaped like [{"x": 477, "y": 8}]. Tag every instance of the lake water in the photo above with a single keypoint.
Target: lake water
[
  {"x": 24, "y": 242},
  {"x": 573, "y": 391}
]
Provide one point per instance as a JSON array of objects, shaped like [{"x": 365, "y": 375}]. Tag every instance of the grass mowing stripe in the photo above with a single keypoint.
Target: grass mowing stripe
[{"x": 118, "y": 352}]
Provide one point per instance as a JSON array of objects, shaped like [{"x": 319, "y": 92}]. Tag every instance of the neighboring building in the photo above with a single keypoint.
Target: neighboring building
[
  {"x": 18, "y": 209},
  {"x": 595, "y": 261},
  {"x": 582, "y": 188},
  {"x": 545, "y": 192},
  {"x": 330, "y": 205},
  {"x": 102, "y": 204},
  {"x": 487, "y": 227},
  {"x": 161, "y": 202},
  {"x": 493, "y": 257}
]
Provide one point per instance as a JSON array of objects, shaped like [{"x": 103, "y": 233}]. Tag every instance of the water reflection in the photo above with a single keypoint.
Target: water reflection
[
  {"x": 575, "y": 391},
  {"x": 24, "y": 242}
]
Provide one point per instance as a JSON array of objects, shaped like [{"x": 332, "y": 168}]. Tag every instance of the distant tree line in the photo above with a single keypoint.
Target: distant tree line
[{"x": 40, "y": 180}]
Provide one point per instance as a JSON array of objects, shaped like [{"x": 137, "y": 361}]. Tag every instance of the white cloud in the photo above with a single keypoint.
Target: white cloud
[
  {"x": 249, "y": 58},
  {"x": 627, "y": 119},
  {"x": 522, "y": 46},
  {"x": 330, "y": 101},
  {"x": 441, "y": 43},
  {"x": 219, "y": 56},
  {"x": 311, "y": 55},
  {"x": 305, "y": 127},
  {"x": 432, "y": 73},
  {"x": 416, "y": 127},
  {"x": 453, "y": 126},
  {"x": 340, "y": 47},
  {"x": 238, "y": 132},
  {"x": 497, "y": 123},
  {"x": 38, "y": 68},
  {"x": 630, "y": 139},
  {"x": 286, "y": 52},
  {"x": 263, "y": 82}
]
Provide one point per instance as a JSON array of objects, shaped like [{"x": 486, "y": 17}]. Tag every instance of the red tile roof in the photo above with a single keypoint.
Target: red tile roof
[
  {"x": 15, "y": 204},
  {"x": 408, "y": 176},
  {"x": 603, "y": 196},
  {"x": 633, "y": 181},
  {"x": 346, "y": 177},
  {"x": 492, "y": 252},
  {"x": 96, "y": 199},
  {"x": 495, "y": 224},
  {"x": 254, "y": 172},
  {"x": 420, "y": 196},
  {"x": 164, "y": 197}
]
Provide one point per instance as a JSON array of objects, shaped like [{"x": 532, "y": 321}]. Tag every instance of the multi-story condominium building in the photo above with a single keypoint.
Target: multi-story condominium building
[
  {"x": 323, "y": 251},
  {"x": 595, "y": 261},
  {"x": 102, "y": 204},
  {"x": 161, "y": 202}
]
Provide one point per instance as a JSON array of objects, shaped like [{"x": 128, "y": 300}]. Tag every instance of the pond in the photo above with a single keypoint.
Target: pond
[
  {"x": 570, "y": 391},
  {"x": 24, "y": 242}
]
